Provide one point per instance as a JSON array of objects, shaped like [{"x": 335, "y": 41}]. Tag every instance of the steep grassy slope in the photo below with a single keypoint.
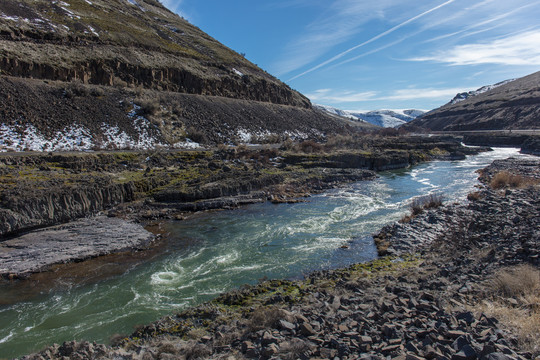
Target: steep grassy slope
[
  {"x": 80, "y": 74},
  {"x": 120, "y": 42},
  {"x": 515, "y": 105}
]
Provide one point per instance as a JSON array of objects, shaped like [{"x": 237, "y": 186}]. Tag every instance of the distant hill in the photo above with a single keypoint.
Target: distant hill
[
  {"x": 79, "y": 74},
  {"x": 465, "y": 95},
  {"x": 382, "y": 118},
  {"x": 513, "y": 104}
]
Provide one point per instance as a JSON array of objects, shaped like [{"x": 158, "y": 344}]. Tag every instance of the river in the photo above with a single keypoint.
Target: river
[{"x": 210, "y": 253}]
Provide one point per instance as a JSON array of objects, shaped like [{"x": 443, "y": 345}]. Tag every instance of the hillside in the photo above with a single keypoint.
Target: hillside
[
  {"x": 132, "y": 74},
  {"x": 513, "y": 105},
  {"x": 382, "y": 118}
]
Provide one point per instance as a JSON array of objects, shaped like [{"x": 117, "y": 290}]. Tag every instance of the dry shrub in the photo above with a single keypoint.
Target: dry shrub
[
  {"x": 294, "y": 349},
  {"x": 196, "y": 135},
  {"x": 474, "y": 196},
  {"x": 422, "y": 203},
  {"x": 264, "y": 317},
  {"x": 287, "y": 145},
  {"x": 342, "y": 141},
  {"x": 147, "y": 106},
  {"x": 196, "y": 333},
  {"x": 310, "y": 146},
  {"x": 505, "y": 179},
  {"x": 517, "y": 282},
  {"x": 194, "y": 350},
  {"x": 167, "y": 347},
  {"x": 521, "y": 284}
]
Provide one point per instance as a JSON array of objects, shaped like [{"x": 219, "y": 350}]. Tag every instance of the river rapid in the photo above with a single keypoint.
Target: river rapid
[{"x": 211, "y": 253}]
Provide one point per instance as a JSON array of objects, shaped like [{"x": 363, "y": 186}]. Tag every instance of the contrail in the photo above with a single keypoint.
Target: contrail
[{"x": 338, "y": 56}]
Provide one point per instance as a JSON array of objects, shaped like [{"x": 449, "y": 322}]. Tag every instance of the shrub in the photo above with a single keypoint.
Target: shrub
[
  {"x": 522, "y": 314},
  {"x": 196, "y": 135},
  {"x": 474, "y": 196},
  {"x": 430, "y": 201},
  {"x": 288, "y": 144},
  {"x": 519, "y": 281},
  {"x": 264, "y": 317},
  {"x": 194, "y": 350},
  {"x": 504, "y": 179},
  {"x": 147, "y": 107},
  {"x": 294, "y": 349},
  {"x": 97, "y": 92},
  {"x": 310, "y": 146}
]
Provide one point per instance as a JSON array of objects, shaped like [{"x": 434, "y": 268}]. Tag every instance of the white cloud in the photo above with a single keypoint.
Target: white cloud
[{"x": 520, "y": 49}]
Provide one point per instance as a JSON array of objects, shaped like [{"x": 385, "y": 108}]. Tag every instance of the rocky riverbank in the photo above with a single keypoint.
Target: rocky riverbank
[
  {"x": 433, "y": 300},
  {"x": 41, "y": 190}
]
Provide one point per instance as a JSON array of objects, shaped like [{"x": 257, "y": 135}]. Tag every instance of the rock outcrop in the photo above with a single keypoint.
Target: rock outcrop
[{"x": 76, "y": 241}]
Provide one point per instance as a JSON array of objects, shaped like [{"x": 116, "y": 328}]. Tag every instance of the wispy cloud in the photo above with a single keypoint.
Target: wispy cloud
[
  {"x": 333, "y": 97},
  {"x": 338, "y": 22},
  {"x": 466, "y": 31},
  {"x": 375, "y": 38},
  {"x": 330, "y": 96},
  {"x": 519, "y": 49}
]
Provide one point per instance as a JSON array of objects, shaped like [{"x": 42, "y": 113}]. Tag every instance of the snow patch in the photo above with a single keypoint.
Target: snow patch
[
  {"x": 187, "y": 144},
  {"x": 28, "y": 138},
  {"x": 133, "y": 2},
  {"x": 93, "y": 30},
  {"x": 244, "y": 135},
  {"x": 237, "y": 72},
  {"x": 12, "y": 18}
]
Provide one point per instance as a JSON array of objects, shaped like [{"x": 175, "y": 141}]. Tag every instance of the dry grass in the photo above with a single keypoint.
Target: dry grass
[
  {"x": 310, "y": 147},
  {"x": 504, "y": 179},
  {"x": 264, "y": 317},
  {"x": 513, "y": 297},
  {"x": 430, "y": 201},
  {"x": 474, "y": 196}
]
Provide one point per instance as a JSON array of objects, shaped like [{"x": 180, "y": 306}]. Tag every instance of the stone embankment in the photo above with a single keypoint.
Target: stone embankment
[{"x": 424, "y": 302}]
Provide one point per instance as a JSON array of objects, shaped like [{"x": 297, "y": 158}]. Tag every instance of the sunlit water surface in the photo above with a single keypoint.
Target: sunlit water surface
[{"x": 212, "y": 253}]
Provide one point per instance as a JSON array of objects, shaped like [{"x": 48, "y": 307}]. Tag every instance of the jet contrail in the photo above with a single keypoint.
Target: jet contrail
[{"x": 338, "y": 56}]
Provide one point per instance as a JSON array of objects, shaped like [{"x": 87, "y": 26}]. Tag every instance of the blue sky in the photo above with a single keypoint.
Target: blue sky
[{"x": 366, "y": 55}]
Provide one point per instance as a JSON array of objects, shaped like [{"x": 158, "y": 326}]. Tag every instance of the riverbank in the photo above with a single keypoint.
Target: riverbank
[
  {"x": 42, "y": 190},
  {"x": 436, "y": 302}
]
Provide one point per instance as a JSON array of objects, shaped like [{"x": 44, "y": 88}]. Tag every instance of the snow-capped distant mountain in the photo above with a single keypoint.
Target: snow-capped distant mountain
[
  {"x": 465, "y": 95},
  {"x": 383, "y": 118}
]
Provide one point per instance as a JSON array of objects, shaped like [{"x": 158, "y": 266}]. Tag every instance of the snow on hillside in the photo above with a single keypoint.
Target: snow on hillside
[
  {"x": 465, "y": 95},
  {"x": 383, "y": 118}
]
